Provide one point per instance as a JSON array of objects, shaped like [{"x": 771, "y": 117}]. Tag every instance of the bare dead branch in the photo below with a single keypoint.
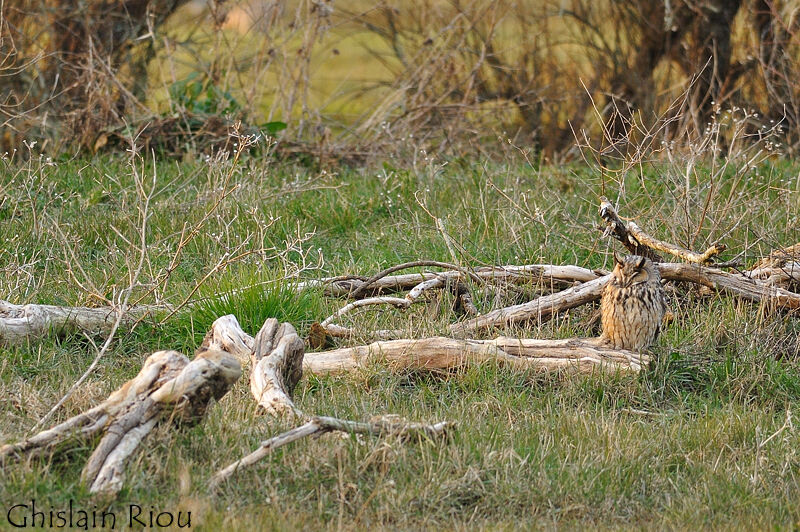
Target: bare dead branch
[
  {"x": 383, "y": 425},
  {"x": 733, "y": 284},
  {"x": 378, "y": 276},
  {"x": 20, "y": 323},
  {"x": 542, "y": 273},
  {"x": 542, "y": 308},
  {"x": 640, "y": 243},
  {"x": 399, "y": 302}
]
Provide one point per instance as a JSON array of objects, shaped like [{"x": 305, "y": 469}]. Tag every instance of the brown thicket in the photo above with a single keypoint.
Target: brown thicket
[
  {"x": 84, "y": 63},
  {"x": 533, "y": 71},
  {"x": 561, "y": 63}
]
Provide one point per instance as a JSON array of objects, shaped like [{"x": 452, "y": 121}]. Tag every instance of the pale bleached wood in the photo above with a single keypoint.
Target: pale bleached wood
[
  {"x": 779, "y": 276},
  {"x": 399, "y": 302},
  {"x": 277, "y": 366},
  {"x": 441, "y": 353},
  {"x": 111, "y": 475},
  {"x": 227, "y": 335},
  {"x": 541, "y": 309},
  {"x": 169, "y": 387},
  {"x": 732, "y": 284},
  {"x": 267, "y": 446},
  {"x": 544, "y": 307},
  {"x": 542, "y": 273},
  {"x": 403, "y": 303},
  {"x": 20, "y": 323},
  {"x": 337, "y": 331}
]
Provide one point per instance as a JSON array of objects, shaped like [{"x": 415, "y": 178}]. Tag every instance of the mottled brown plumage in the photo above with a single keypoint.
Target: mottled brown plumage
[{"x": 633, "y": 304}]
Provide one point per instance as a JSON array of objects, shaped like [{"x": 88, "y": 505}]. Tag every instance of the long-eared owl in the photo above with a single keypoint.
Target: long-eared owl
[{"x": 633, "y": 304}]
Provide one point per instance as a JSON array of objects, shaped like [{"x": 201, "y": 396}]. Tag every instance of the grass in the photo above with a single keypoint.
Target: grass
[{"x": 698, "y": 440}]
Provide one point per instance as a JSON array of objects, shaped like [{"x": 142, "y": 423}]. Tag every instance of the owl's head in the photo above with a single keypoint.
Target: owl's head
[{"x": 633, "y": 270}]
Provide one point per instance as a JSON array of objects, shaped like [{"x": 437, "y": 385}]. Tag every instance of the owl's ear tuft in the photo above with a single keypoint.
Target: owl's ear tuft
[
  {"x": 641, "y": 263},
  {"x": 617, "y": 258}
]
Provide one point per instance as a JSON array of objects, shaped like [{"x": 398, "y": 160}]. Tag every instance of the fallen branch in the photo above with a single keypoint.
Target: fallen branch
[
  {"x": 640, "y": 243},
  {"x": 399, "y": 302},
  {"x": 541, "y": 309},
  {"x": 277, "y": 360},
  {"x": 337, "y": 331},
  {"x": 369, "y": 282},
  {"x": 319, "y": 425},
  {"x": 20, "y": 323},
  {"x": 328, "y": 329},
  {"x": 545, "y": 306},
  {"x": 441, "y": 353},
  {"x": 277, "y": 357},
  {"x": 780, "y": 276},
  {"x": 733, "y": 284},
  {"x": 549, "y": 305},
  {"x": 169, "y": 388}
]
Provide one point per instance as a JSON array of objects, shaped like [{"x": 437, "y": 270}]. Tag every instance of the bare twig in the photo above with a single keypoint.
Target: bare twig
[{"x": 358, "y": 292}]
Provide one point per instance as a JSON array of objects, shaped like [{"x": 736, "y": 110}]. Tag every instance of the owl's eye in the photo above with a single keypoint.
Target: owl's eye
[{"x": 639, "y": 277}]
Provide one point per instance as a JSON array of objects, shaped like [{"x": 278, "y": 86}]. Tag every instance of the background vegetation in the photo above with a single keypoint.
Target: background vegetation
[{"x": 366, "y": 77}]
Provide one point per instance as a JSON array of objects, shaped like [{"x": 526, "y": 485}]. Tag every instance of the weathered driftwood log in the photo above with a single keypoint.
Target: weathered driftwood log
[
  {"x": 640, "y": 243},
  {"x": 227, "y": 335},
  {"x": 19, "y": 323},
  {"x": 169, "y": 387},
  {"x": 584, "y": 355},
  {"x": 277, "y": 360},
  {"x": 277, "y": 357}
]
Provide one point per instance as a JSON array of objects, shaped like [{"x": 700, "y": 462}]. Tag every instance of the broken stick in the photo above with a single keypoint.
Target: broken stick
[
  {"x": 640, "y": 243},
  {"x": 19, "y": 323}
]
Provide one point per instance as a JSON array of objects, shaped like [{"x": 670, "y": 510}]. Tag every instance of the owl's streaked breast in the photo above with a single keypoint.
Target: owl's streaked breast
[{"x": 631, "y": 315}]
